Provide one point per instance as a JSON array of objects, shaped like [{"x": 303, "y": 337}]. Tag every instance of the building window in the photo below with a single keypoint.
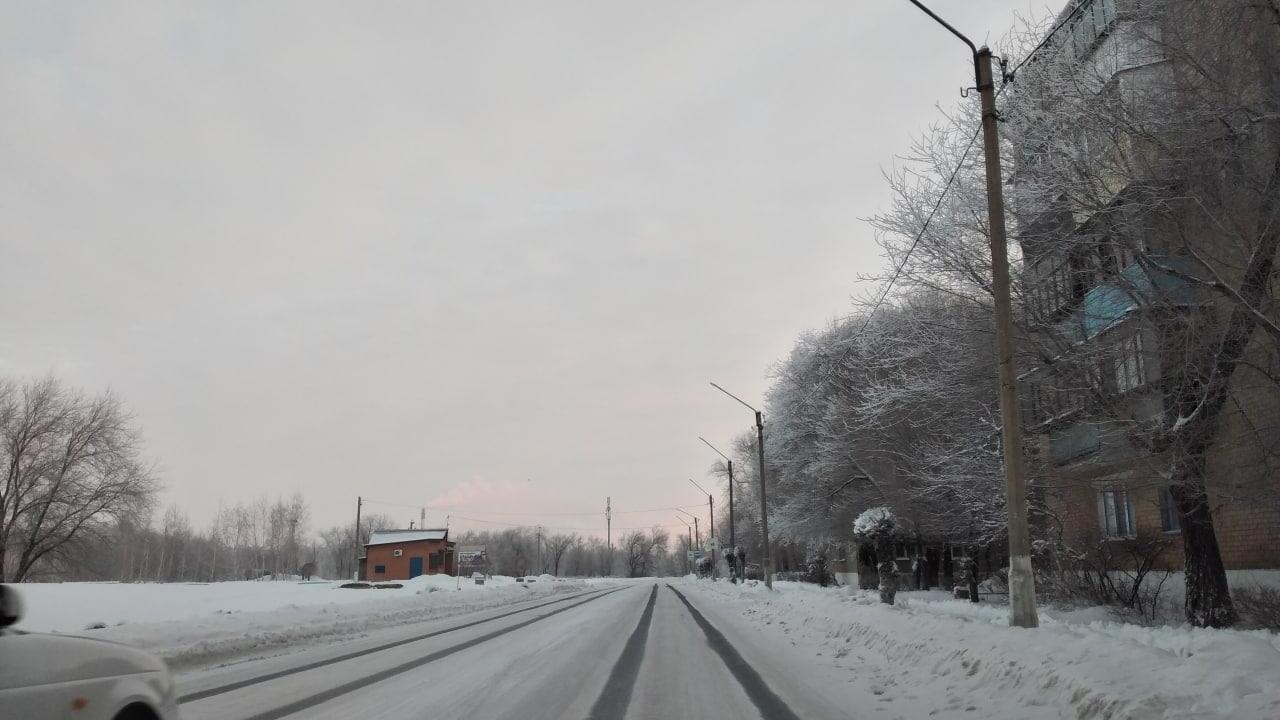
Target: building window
[
  {"x": 379, "y": 569},
  {"x": 1115, "y": 513},
  {"x": 1091, "y": 20},
  {"x": 433, "y": 561},
  {"x": 1170, "y": 517},
  {"x": 1053, "y": 289},
  {"x": 1129, "y": 365}
]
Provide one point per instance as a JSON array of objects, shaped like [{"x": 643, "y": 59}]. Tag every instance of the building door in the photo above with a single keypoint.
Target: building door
[{"x": 415, "y": 567}]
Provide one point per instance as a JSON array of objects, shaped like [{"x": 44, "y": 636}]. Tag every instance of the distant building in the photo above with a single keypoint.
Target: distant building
[{"x": 405, "y": 554}]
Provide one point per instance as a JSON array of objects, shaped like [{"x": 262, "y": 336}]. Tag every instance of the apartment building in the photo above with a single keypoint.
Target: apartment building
[{"x": 1119, "y": 300}]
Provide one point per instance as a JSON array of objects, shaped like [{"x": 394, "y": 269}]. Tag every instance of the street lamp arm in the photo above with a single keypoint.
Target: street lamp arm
[
  {"x": 686, "y": 513},
  {"x": 735, "y": 397},
  {"x": 947, "y": 25},
  {"x": 698, "y": 486},
  {"x": 713, "y": 447}
]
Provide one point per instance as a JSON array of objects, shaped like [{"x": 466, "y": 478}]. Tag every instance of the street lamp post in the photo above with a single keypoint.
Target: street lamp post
[
  {"x": 764, "y": 506},
  {"x": 733, "y": 540},
  {"x": 1022, "y": 589},
  {"x": 696, "y": 534},
  {"x": 711, "y": 533},
  {"x": 690, "y": 550}
]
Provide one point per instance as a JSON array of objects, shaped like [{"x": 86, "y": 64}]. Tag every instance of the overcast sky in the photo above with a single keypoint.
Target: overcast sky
[{"x": 479, "y": 256}]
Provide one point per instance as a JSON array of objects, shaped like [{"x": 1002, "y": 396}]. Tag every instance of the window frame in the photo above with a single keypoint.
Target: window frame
[
  {"x": 1109, "y": 517},
  {"x": 1129, "y": 366},
  {"x": 1170, "y": 516}
]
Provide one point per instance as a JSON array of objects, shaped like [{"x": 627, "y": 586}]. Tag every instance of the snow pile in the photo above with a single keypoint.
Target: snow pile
[
  {"x": 199, "y": 624},
  {"x": 930, "y": 656}
]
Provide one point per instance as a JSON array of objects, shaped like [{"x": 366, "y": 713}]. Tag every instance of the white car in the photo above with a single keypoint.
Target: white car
[{"x": 63, "y": 677}]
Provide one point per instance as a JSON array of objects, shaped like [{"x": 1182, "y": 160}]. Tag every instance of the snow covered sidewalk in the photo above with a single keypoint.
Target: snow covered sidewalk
[
  {"x": 192, "y": 625},
  {"x": 931, "y": 656}
]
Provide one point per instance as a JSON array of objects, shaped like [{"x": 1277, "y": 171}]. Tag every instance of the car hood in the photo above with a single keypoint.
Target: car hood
[{"x": 43, "y": 658}]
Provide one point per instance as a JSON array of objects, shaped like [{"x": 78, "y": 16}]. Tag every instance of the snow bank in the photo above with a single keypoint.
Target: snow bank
[
  {"x": 199, "y": 624},
  {"x": 72, "y": 607},
  {"x": 934, "y": 656}
]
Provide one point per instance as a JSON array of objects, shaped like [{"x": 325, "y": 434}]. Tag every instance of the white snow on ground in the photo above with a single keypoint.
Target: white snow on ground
[
  {"x": 932, "y": 656},
  {"x": 201, "y": 624}
]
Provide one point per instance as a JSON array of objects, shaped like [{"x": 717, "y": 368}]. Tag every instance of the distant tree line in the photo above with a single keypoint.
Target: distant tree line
[{"x": 527, "y": 551}]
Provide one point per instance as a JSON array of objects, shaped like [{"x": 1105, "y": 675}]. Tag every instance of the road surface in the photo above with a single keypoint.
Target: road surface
[{"x": 642, "y": 650}]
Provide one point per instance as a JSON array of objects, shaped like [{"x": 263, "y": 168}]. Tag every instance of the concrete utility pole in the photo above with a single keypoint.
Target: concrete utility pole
[
  {"x": 767, "y": 563},
  {"x": 733, "y": 540},
  {"x": 608, "y": 532},
  {"x": 1022, "y": 589},
  {"x": 711, "y": 534},
  {"x": 359, "y": 502},
  {"x": 764, "y": 505}
]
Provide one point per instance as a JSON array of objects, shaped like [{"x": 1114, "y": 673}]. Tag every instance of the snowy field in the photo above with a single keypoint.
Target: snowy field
[
  {"x": 194, "y": 624},
  {"x": 932, "y": 656}
]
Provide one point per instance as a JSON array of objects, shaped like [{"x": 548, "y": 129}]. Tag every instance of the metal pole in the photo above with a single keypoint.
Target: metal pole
[
  {"x": 715, "y": 561},
  {"x": 608, "y": 524},
  {"x": 764, "y": 505},
  {"x": 359, "y": 502},
  {"x": 1022, "y": 589},
  {"x": 733, "y": 540}
]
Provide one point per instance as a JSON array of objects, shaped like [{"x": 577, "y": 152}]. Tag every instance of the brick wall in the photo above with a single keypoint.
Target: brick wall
[{"x": 397, "y": 568}]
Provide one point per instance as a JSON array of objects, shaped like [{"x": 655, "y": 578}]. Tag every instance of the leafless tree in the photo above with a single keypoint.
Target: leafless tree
[
  {"x": 556, "y": 546},
  {"x": 71, "y": 465}
]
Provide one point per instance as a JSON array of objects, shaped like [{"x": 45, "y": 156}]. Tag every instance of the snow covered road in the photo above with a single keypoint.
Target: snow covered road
[{"x": 642, "y": 650}]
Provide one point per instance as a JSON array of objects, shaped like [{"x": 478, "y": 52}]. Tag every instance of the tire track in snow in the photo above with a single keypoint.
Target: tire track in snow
[
  {"x": 248, "y": 682},
  {"x": 770, "y": 705},
  {"x": 616, "y": 695},
  {"x": 364, "y": 682}
]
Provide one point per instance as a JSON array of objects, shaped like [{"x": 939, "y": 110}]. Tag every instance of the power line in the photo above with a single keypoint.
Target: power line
[
  {"x": 923, "y": 229},
  {"x": 1008, "y": 78}
]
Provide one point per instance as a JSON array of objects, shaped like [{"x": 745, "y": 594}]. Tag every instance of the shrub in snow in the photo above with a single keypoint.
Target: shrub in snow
[
  {"x": 1126, "y": 574},
  {"x": 879, "y": 528},
  {"x": 1259, "y": 606},
  {"x": 818, "y": 564}
]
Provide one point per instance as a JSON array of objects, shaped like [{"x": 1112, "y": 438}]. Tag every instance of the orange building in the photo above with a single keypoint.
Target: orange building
[{"x": 404, "y": 554}]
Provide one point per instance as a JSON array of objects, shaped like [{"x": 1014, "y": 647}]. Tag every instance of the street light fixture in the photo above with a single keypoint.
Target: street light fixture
[
  {"x": 764, "y": 507},
  {"x": 697, "y": 535},
  {"x": 687, "y": 567},
  {"x": 711, "y": 509},
  {"x": 1022, "y": 589}
]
